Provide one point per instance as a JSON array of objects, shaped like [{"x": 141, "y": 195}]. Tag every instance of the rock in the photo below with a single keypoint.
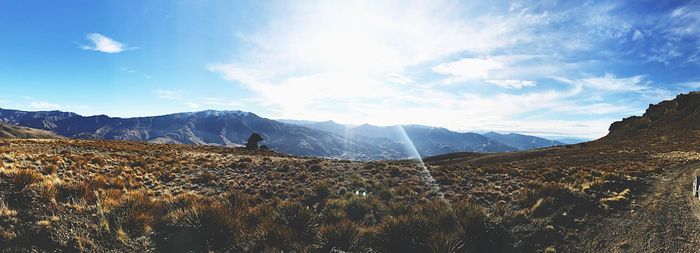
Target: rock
[{"x": 253, "y": 140}]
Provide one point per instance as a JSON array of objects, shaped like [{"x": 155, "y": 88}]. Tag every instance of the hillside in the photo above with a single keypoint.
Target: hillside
[
  {"x": 522, "y": 142},
  {"x": 10, "y": 131},
  {"x": 225, "y": 128},
  {"x": 672, "y": 117},
  {"x": 433, "y": 140},
  {"x": 87, "y": 195},
  {"x": 232, "y": 128}
]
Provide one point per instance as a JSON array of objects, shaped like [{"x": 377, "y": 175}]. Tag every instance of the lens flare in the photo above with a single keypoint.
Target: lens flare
[{"x": 425, "y": 173}]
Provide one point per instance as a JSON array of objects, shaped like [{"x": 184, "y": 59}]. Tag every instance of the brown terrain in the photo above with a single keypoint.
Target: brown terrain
[
  {"x": 10, "y": 131},
  {"x": 626, "y": 192}
]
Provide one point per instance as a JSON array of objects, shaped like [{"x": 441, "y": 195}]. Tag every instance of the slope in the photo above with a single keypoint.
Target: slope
[
  {"x": 10, "y": 131},
  {"x": 521, "y": 141}
]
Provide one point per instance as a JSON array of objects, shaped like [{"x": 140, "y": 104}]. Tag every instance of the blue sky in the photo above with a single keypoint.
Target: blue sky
[{"x": 549, "y": 68}]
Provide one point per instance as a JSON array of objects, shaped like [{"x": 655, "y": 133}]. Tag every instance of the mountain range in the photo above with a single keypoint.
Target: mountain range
[{"x": 305, "y": 138}]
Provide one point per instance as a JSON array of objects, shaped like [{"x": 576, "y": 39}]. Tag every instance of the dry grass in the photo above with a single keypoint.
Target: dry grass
[
  {"x": 21, "y": 178},
  {"x": 201, "y": 198}
]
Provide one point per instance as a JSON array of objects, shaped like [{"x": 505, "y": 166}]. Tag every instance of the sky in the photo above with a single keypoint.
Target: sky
[{"x": 549, "y": 68}]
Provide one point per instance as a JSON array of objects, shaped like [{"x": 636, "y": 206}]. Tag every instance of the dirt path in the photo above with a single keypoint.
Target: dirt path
[{"x": 667, "y": 219}]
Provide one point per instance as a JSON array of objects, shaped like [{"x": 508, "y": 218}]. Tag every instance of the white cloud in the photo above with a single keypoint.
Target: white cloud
[
  {"x": 609, "y": 82},
  {"x": 104, "y": 44},
  {"x": 690, "y": 84},
  {"x": 127, "y": 70},
  {"x": 379, "y": 63},
  {"x": 468, "y": 68},
  {"x": 193, "y": 105},
  {"x": 43, "y": 105},
  {"x": 169, "y": 94},
  {"x": 399, "y": 78},
  {"x": 594, "y": 108},
  {"x": 512, "y": 84},
  {"x": 356, "y": 100},
  {"x": 637, "y": 35},
  {"x": 221, "y": 102},
  {"x": 592, "y": 129}
]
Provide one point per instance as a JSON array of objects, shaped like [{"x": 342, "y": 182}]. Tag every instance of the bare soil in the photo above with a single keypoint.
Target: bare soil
[{"x": 665, "y": 219}]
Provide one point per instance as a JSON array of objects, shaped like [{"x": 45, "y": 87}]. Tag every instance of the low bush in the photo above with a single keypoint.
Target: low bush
[
  {"x": 22, "y": 178},
  {"x": 343, "y": 235}
]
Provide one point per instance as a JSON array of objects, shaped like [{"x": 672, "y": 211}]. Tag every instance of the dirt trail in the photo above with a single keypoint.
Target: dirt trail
[{"x": 666, "y": 219}]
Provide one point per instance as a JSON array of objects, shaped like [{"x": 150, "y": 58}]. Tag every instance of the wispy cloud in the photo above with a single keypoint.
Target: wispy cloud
[
  {"x": 221, "y": 102},
  {"x": 193, "y": 105},
  {"x": 512, "y": 84},
  {"x": 611, "y": 83},
  {"x": 104, "y": 44},
  {"x": 169, "y": 94},
  {"x": 127, "y": 70},
  {"x": 43, "y": 105},
  {"x": 467, "y": 69}
]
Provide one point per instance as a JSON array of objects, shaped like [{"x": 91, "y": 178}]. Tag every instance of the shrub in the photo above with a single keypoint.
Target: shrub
[
  {"x": 444, "y": 243},
  {"x": 547, "y": 198},
  {"x": 166, "y": 176},
  {"x": 204, "y": 178},
  {"x": 298, "y": 219},
  {"x": 359, "y": 207},
  {"x": 395, "y": 172},
  {"x": 201, "y": 226},
  {"x": 478, "y": 233},
  {"x": 343, "y": 236},
  {"x": 138, "y": 163},
  {"x": 75, "y": 191},
  {"x": 618, "y": 200},
  {"x": 22, "y": 178},
  {"x": 440, "y": 215},
  {"x": 401, "y": 234},
  {"x": 386, "y": 194},
  {"x": 315, "y": 167},
  {"x": 135, "y": 213},
  {"x": 272, "y": 237},
  {"x": 235, "y": 200},
  {"x": 397, "y": 208},
  {"x": 321, "y": 192},
  {"x": 45, "y": 191}
]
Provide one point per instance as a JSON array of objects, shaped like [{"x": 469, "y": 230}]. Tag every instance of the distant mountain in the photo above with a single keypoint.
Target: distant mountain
[
  {"x": 522, "y": 142},
  {"x": 572, "y": 140},
  {"x": 232, "y": 128},
  {"x": 328, "y": 126},
  {"x": 433, "y": 141},
  {"x": 227, "y": 128},
  {"x": 10, "y": 131}
]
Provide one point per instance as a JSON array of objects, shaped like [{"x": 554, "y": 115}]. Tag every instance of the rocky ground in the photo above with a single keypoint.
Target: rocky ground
[{"x": 664, "y": 219}]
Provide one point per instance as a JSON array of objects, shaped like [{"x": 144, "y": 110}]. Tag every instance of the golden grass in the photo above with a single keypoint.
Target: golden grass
[{"x": 246, "y": 201}]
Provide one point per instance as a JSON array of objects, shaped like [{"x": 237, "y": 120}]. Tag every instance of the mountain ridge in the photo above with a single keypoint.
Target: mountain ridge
[{"x": 232, "y": 128}]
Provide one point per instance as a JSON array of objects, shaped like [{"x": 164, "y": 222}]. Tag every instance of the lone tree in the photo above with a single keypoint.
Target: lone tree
[{"x": 253, "y": 141}]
